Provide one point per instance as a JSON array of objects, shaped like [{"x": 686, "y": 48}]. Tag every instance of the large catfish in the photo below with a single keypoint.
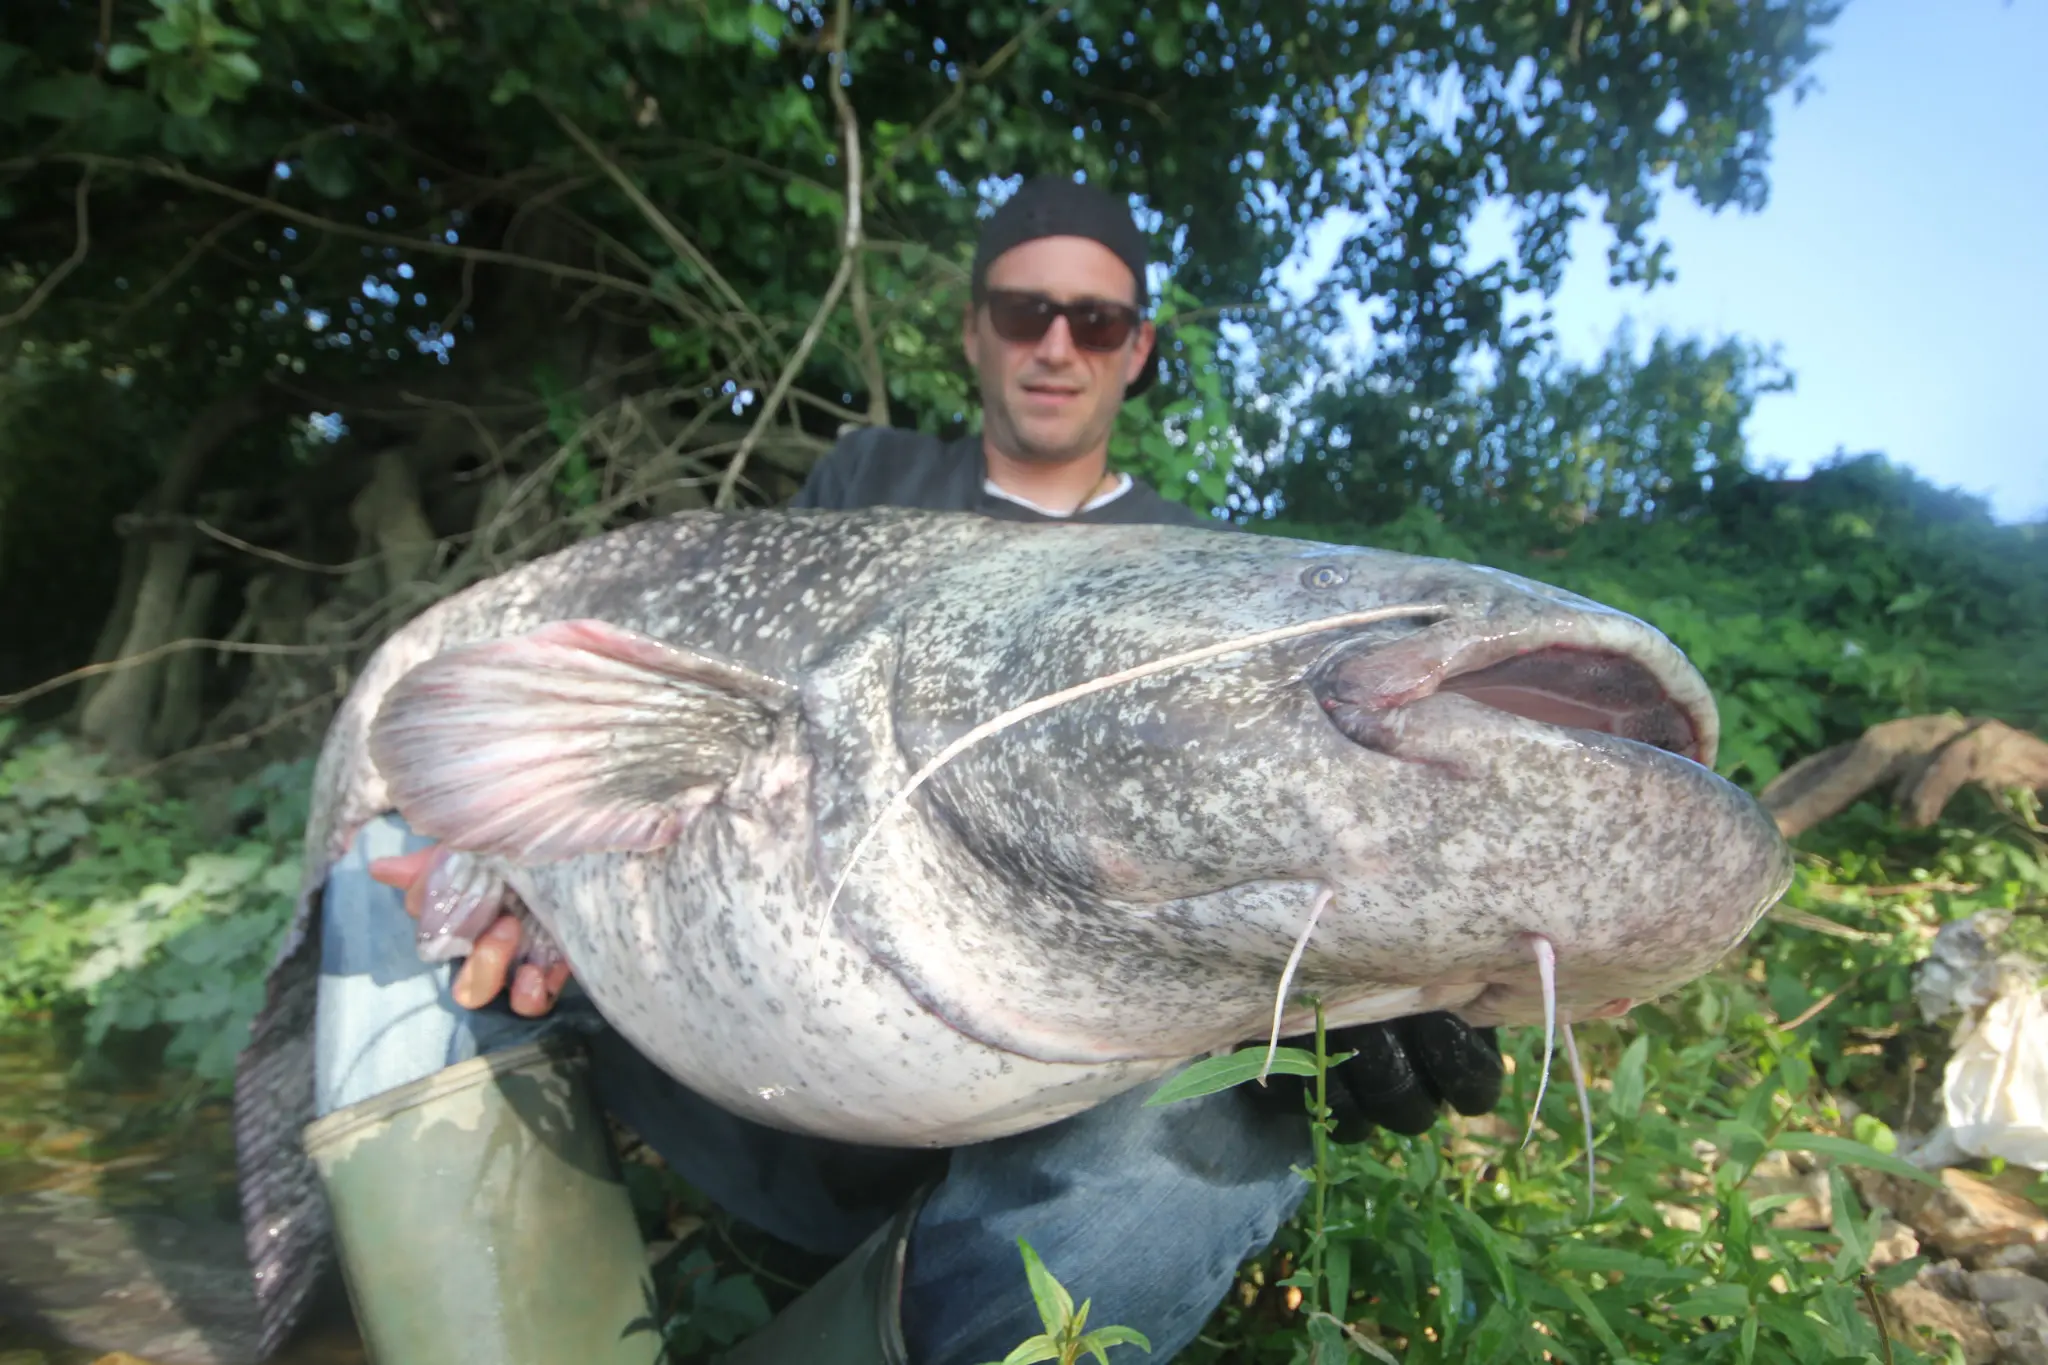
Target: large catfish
[{"x": 666, "y": 744}]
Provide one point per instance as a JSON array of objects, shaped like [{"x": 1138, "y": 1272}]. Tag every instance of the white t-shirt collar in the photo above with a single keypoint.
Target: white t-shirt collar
[{"x": 1123, "y": 486}]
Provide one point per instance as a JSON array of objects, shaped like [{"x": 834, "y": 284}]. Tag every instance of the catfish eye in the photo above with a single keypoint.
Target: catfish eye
[{"x": 1324, "y": 576}]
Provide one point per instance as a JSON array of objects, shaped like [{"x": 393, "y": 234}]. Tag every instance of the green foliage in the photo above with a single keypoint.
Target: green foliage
[
  {"x": 1537, "y": 441},
  {"x": 118, "y": 905},
  {"x": 1212, "y": 1074},
  {"x": 1181, "y": 443},
  {"x": 1066, "y": 1337},
  {"x": 1482, "y": 1248},
  {"x": 710, "y": 1312}
]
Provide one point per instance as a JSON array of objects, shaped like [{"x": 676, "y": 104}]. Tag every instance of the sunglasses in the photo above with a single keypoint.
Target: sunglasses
[{"x": 1093, "y": 324}]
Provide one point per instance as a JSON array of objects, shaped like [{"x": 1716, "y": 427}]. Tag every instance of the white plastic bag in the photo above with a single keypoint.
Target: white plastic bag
[{"x": 1995, "y": 1090}]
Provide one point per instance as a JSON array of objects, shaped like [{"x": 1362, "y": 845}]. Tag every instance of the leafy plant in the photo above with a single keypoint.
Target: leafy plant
[
  {"x": 118, "y": 906},
  {"x": 1067, "y": 1336},
  {"x": 710, "y": 1311}
]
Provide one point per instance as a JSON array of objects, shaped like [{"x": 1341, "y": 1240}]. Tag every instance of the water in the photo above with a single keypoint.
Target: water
[{"x": 118, "y": 1227}]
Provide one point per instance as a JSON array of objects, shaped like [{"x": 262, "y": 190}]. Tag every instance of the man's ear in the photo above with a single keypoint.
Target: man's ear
[
  {"x": 970, "y": 336},
  {"x": 1141, "y": 354}
]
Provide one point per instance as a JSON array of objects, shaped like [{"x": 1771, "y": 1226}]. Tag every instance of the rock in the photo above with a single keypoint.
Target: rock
[
  {"x": 1921, "y": 1304},
  {"x": 1779, "y": 1173},
  {"x": 2027, "y": 1343},
  {"x": 1680, "y": 1217},
  {"x": 1967, "y": 1217},
  {"x": 1948, "y": 1278},
  {"x": 2016, "y": 1304},
  {"x": 1895, "y": 1243},
  {"x": 1998, "y": 1287},
  {"x": 2019, "y": 1256}
]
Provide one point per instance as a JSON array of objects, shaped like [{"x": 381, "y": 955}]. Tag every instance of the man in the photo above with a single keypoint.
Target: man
[{"x": 1147, "y": 1212}]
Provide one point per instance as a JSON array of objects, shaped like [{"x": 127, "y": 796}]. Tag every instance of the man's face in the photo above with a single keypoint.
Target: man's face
[{"x": 1052, "y": 400}]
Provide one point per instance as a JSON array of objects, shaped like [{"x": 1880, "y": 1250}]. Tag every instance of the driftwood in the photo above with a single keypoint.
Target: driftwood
[{"x": 1925, "y": 760}]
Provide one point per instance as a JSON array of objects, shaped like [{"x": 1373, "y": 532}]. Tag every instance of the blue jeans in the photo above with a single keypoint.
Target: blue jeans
[{"x": 1147, "y": 1211}]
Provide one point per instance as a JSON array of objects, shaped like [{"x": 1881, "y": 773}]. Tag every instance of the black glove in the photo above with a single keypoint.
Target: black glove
[{"x": 1404, "y": 1073}]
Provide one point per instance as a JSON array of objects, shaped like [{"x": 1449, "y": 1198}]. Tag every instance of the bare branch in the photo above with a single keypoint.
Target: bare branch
[
  {"x": 849, "y": 256},
  {"x": 106, "y": 42},
  {"x": 427, "y": 245},
  {"x": 832, "y": 409},
  {"x": 1807, "y": 1015},
  {"x": 1131, "y": 98},
  {"x": 13, "y": 699},
  {"x": 69, "y": 264},
  {"x": 279, "y": 556},
  {"x": 1927, "y": 758},
  {"x": 1841, "y": 891},
  {"x": 872, "y": 374},
  {"x": 659, "y": 221},
  {"x": 190, "y": 258},
  {"x": 245, "y": 738},
  {"x": 467, "y": 296}
]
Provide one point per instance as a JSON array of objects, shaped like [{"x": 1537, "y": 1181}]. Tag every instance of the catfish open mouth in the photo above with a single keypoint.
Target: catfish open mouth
[{"x": 1580, "y": 686}]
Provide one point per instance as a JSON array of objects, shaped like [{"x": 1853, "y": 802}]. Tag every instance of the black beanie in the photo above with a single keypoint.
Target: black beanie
[{"x": 1051, "y": 207}]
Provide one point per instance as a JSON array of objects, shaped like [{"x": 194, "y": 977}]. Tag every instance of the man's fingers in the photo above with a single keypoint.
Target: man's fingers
[
  {"x": 483, "y": 976},
  {"x": 408, "y": 870},
  {"x": 534, "y": 990},
  {"x": 402, "y": 869}
]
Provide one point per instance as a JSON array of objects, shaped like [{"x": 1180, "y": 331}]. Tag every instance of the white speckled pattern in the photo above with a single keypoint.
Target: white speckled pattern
[{"x": 1082, "y": 902}]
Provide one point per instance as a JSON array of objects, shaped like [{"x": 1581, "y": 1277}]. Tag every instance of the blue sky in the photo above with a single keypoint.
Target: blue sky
[{"x": 1901, "y": 264}]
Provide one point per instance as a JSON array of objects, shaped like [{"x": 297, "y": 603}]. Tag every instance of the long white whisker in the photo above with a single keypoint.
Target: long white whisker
[
  {"x": 1066, "y": 694},
  {"x": 1546, "y": 972},
  {"x": 1315, "y": 912},
  {"x": 1571, "y": 1055}
]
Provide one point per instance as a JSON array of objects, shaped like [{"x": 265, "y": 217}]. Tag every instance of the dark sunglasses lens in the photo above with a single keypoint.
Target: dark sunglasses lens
[
  {"x": 1027, "y": 317},
  {"x": 1020, "y": 317},
  {"x": 1099, "y": 329}
]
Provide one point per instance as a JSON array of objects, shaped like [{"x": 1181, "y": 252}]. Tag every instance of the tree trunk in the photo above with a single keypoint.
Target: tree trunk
[
  {"x": 388, "y": 516},
  {"x": 209, "y": 431},
  {"x": 178, "y": 713},
  {"x": 119, "y": 715}
]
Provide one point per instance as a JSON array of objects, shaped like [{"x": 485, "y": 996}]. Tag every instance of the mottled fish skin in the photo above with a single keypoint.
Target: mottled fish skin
[{"x": 1084, "y": 901}]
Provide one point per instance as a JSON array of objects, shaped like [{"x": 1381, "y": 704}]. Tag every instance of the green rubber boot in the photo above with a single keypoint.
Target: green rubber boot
[
  {"x": 481, "y": 1216},
  {"x": 851, "y": 1316}
]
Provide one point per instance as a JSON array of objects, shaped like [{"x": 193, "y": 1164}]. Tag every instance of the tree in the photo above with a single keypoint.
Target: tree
[
  {"x": 408, "y": 293},
  {"x": 1543, "y": 439}
]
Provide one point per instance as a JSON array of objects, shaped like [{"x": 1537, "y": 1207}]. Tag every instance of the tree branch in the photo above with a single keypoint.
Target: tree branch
[
  {"x": 659, "y": 221},
  {"x": 13, "y": 699},
  {"x": 426, "y": 245},
  {"x": 849, "y": 254},
  {"x": 106, "y": 42},
  {"x": 199, "y": 248},
  {"x": 69, "y": 264},
  {"x": 243, "y": 739},
  {"x": 872, "y": 373}
]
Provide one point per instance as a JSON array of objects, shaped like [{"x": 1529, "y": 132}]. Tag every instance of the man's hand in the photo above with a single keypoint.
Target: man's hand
[
  {"x": 1406, "y": 1070},
  {"x": 534, "y": 991}
]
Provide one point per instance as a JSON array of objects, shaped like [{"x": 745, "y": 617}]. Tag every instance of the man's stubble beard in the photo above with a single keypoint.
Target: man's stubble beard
[{"x": 1012, "y": 441}]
